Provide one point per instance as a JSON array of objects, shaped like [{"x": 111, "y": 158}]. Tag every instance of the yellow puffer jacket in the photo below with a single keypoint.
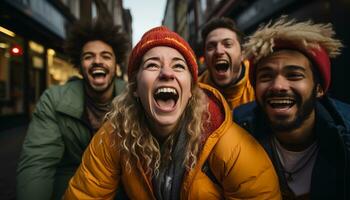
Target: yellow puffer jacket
[
  {"x": 240, "y": 93},
  {"x": 237, "y": 161}
]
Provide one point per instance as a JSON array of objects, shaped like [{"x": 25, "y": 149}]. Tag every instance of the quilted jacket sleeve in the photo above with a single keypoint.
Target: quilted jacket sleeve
[
  {"x": 243, "y": 167},
  {"x": 42, "y": 150},
  {"x": 98, "y": 175}
]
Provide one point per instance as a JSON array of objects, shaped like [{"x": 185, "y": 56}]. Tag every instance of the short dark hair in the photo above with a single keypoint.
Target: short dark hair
[
  {"x": 221, "y": 22},
  {"x": 84, "y": 31}
]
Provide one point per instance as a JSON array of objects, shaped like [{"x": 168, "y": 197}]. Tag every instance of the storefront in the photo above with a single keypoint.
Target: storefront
[
  {"x": 11, "y": 75},
  {"x": 31, "y": 60}
]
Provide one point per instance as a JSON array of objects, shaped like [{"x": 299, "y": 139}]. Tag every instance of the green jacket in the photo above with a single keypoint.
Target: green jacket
[{"x": 55, "y": 142}]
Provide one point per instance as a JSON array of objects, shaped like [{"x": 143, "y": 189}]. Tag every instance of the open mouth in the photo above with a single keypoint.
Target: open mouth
[
  {"x": 222, "y": 66},
  {"x": 281, "y": 103},
  {"x": 98, "y": 73},
  {"x": 166, "y": 97}
]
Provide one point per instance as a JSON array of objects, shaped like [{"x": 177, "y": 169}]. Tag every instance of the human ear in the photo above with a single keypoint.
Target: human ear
[
  {"x": 319, "y": 91},
  {"x": 241, "y": 57},
  {"x": 118, "y": 70}
]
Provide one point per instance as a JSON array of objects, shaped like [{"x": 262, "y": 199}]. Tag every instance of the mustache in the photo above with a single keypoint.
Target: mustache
[
  {"x": 93, "y": 66},
  {"x": 97, "y": 65},
  {"x": 281, "y": 94}
]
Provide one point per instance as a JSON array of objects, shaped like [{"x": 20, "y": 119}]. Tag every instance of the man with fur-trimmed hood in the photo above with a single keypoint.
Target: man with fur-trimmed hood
[{"x": 305, "y": 132}]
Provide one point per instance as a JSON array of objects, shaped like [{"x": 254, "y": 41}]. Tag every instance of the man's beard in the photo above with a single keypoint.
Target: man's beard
[
  {"x": 99, "y": 90},
  {"x": 304, "y": 110},
  {"x": 90, "y": 86}
]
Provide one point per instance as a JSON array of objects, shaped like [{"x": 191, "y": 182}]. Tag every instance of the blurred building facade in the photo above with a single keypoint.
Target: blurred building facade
[
  {"x": 32, "y": 59},
  {"x": 187, "y": 17}
]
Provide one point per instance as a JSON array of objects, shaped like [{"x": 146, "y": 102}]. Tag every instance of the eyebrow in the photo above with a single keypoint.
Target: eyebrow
[
  {"x": 264, "y": 68},
  {"x": 158, "y": 59},
  {"x": 103, "y": 52},
  {"x": 295, "y": 67},
  {"x": 221, "y": 40},
  {"x": 151, "y": 58},
  {"x": 179, "y": 59},
  {"x": 227, "y": 39},
  {"x": 287, "y": 67}
]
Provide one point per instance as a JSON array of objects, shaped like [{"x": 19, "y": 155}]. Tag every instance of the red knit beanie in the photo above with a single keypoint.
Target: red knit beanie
[{"x": 162, "y": 36}]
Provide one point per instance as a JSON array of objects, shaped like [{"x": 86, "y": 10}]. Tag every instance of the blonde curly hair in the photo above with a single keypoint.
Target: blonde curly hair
[{"x": 137, "y": 142}]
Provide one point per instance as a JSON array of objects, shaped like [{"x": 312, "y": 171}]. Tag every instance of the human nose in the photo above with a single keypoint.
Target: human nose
[
  {"x": 97, "y": 59},
  {"x": 166, "y": 73},
  {"x": 280, "y": 84},
  {"x": 219, "y": 49}
]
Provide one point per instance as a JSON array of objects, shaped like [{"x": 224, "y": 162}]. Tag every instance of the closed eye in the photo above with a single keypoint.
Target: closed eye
[
  {"x": 294, "y": 72},
  {"x": 179, "y": 67},
  {"x": 228, "y": 44},
  {"x": 151, "y": 66},
  {"x": 106, "y": 57},
  {"x": 264, "y": 77},
  {"x": 295, "y": 76},
  {"x": 87, "y": 57},
  {"x": 210, "y": 46}
]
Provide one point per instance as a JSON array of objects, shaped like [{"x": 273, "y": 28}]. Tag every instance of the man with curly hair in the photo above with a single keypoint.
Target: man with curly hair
[
  {"x": 67, "y": 116},
  {"x": 305, "y": 132}
]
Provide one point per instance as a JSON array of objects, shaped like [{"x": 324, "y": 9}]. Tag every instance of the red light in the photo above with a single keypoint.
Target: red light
[{"x": 16, "y": 50}]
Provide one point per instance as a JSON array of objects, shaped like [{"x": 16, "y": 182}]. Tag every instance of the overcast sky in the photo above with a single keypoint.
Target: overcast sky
[{"x": 146, "y": 14}]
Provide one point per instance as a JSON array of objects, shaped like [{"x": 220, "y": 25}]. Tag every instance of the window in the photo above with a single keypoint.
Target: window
[{"x": 11, "y": 73}]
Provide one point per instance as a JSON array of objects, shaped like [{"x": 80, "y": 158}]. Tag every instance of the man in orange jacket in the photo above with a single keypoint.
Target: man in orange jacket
[{"x": 226, "y": 69}]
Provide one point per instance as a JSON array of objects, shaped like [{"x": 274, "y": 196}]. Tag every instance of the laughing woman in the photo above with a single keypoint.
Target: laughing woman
[{"x": 170, "y": 137}]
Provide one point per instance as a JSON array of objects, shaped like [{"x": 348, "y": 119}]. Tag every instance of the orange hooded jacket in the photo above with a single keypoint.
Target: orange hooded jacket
[{"x": 237, "y": 161}]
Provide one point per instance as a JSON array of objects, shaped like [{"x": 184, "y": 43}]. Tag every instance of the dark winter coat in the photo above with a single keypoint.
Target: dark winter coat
[{"x": 331, "y": 173}]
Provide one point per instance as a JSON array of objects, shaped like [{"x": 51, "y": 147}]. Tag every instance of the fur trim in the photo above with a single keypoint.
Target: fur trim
[{"x": 304, "y": 35}]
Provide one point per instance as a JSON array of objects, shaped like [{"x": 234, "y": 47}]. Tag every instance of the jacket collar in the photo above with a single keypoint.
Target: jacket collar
[
  {"x": 234, "y": 90},
  {"x": 333, "y": 112},
  {"x": 72, "y": 102}
]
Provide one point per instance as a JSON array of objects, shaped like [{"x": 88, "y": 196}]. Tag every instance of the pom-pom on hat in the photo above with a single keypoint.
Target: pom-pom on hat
[
  {"x": 315, "y": 41},
  {"x": 162, "y": 36}
]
